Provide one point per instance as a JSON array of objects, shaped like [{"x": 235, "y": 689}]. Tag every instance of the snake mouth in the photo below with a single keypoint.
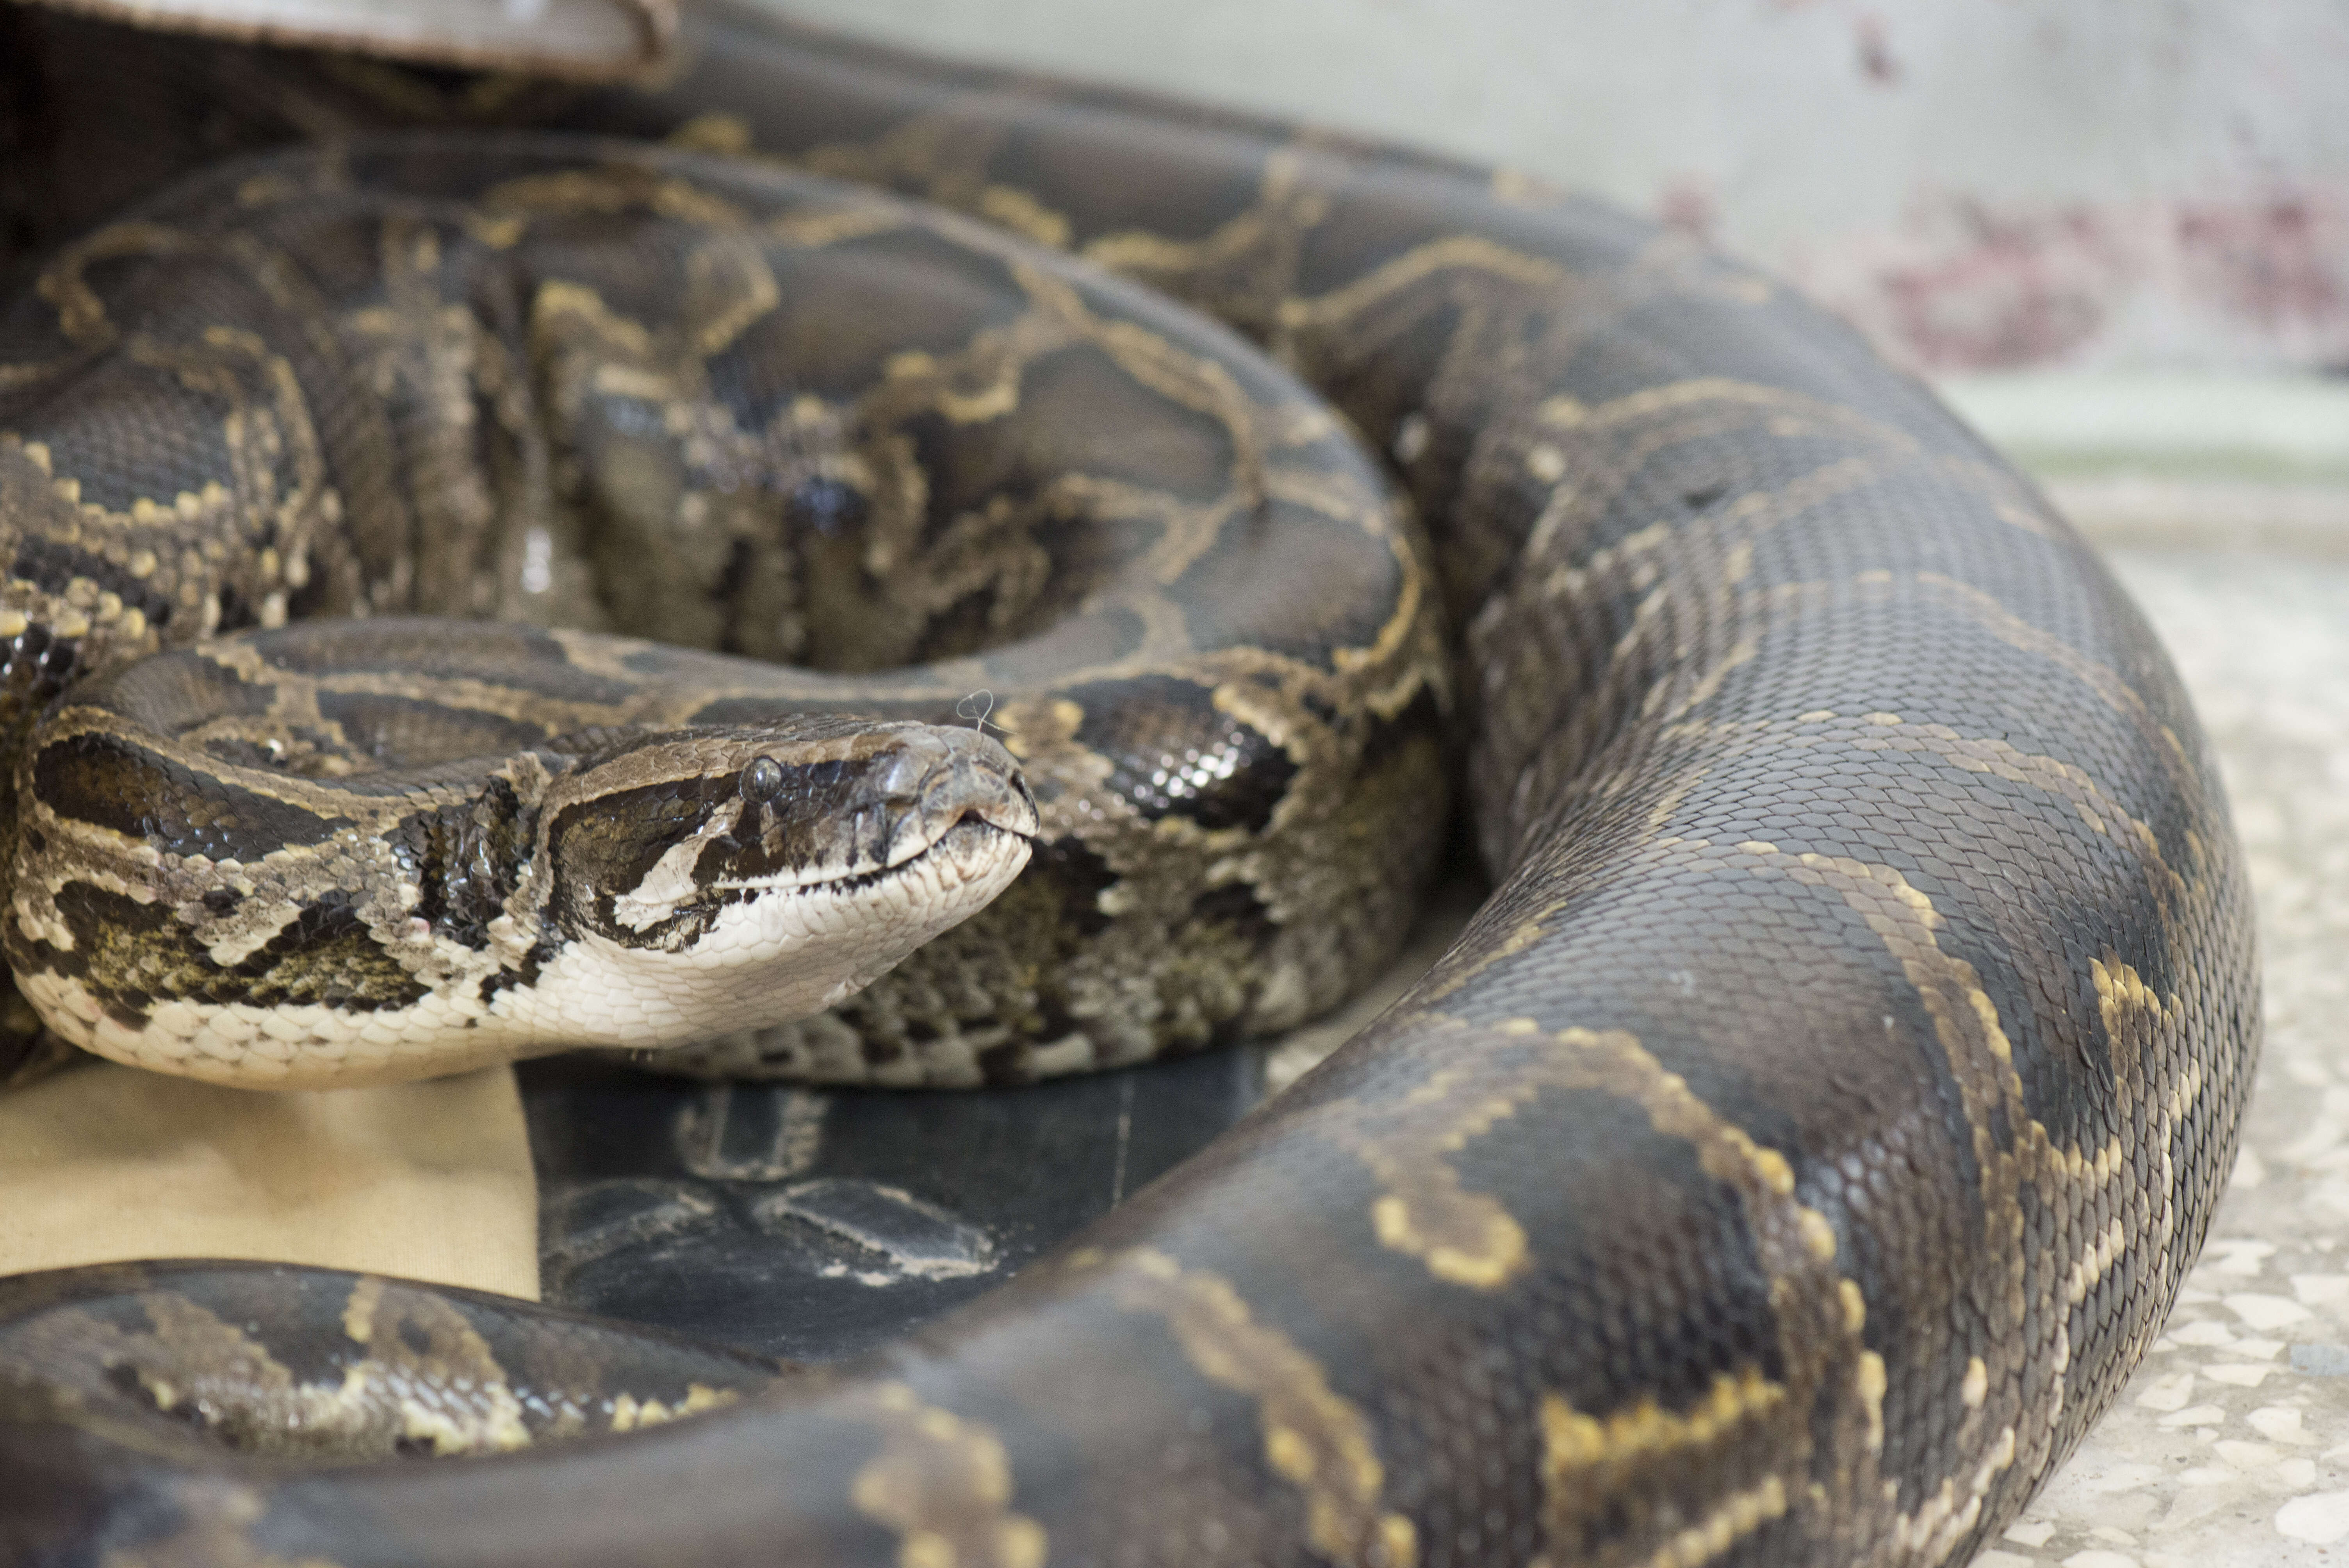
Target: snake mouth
[
  {"x": 759, "y": 950},
  {"x": 966, "y": 841}
]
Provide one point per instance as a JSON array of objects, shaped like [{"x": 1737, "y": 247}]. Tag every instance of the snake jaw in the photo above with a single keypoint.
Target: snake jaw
[
  {"x": 766, "y": 955},
  {"x": 801, "y": 863}
]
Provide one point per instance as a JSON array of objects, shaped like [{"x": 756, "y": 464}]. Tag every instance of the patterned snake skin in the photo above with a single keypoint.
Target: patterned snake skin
[{"x": 1786, "y": 1166}]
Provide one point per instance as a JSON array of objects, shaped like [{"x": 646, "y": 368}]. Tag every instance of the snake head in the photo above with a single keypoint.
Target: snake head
[{"x": 709, "y": 880}]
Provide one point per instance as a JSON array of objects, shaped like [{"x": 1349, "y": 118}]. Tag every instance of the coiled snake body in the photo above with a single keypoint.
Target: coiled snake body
[{"x": 1786, "y": 1166}]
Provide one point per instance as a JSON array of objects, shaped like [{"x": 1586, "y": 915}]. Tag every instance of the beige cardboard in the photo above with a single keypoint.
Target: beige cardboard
[{"x": 424, "y": 1181}]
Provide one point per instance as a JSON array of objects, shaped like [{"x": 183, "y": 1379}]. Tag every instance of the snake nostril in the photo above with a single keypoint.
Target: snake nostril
[{"x": 911, "y": 767}]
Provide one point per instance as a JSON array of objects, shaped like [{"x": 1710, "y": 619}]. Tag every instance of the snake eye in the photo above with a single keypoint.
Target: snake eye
[{"x": 763, "y": 781}]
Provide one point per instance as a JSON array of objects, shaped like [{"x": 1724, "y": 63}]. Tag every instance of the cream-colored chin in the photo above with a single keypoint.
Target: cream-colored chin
[{"x": 767, "y": 959}]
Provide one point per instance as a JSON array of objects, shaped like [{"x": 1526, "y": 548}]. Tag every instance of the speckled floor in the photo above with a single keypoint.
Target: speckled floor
[{"x": 2231, "y": 1447}]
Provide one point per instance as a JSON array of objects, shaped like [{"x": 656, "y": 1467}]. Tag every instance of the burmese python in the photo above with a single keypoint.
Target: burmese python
[{"x": 1787, "y": 1164}]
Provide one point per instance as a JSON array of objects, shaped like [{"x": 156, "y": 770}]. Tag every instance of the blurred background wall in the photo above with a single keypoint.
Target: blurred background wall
[{"x": 2094, "y": 184}]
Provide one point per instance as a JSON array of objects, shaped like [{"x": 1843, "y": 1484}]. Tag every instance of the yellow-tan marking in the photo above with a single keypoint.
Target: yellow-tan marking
[
  {"x": 943, "y": 1484},
  {"x": 1314, "y": 1438}
]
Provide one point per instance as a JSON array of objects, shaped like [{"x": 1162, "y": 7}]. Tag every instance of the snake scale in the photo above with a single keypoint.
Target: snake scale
[{"x": 1787, "y": 1165}]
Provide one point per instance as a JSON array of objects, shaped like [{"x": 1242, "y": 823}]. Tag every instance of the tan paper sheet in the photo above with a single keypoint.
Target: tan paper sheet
[{"x": 425, "y": 1180}]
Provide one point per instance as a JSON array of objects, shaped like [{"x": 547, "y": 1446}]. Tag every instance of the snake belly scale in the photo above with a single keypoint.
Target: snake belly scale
[{"x": 1787, "y": 1165}]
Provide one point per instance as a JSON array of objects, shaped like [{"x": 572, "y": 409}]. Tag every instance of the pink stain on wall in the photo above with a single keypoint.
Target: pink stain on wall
[
  {"x": 2280, "y": 262},
  {"x": 1961, "y": 285},
  {"x": 2000, "y": 290},
  {"x": 2222, "y": 124},
  {"x": 1686, "y": 205},
  {"x": 1876, "y": 61}
]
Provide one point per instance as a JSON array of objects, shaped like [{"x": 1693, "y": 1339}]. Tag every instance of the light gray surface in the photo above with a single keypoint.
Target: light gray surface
[
  {"x": 2271, "y": 428},
  {"x": 2232, "y": 1447}
]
